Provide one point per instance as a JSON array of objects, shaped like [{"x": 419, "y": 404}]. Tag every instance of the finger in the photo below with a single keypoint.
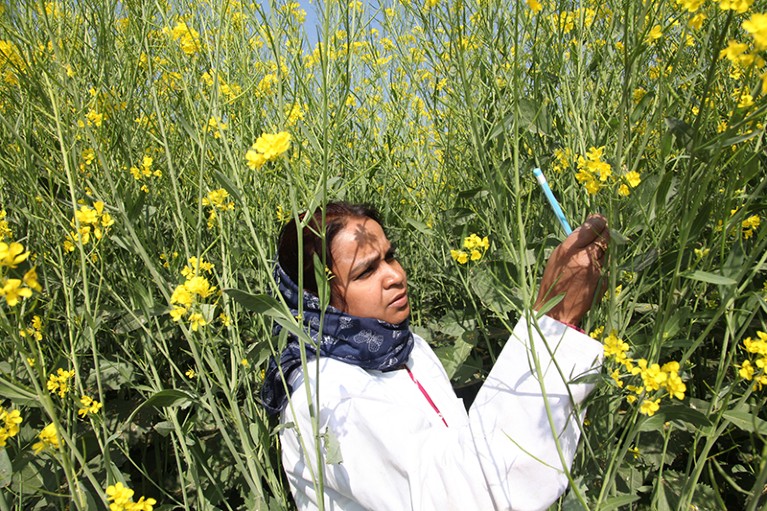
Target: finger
[{"x": 593, "y": 229}]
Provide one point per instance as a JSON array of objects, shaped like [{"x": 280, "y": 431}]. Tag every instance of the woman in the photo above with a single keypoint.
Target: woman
[{"x": 385, "y": 403}]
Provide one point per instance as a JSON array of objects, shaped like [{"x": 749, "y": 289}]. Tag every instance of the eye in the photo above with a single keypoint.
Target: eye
[
  {"x": 367, "y": 271},
  {"x": 391, "y": 253}
]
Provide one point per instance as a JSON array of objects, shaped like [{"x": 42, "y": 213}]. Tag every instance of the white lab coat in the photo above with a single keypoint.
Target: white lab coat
[{"x": 397, "y": 454}]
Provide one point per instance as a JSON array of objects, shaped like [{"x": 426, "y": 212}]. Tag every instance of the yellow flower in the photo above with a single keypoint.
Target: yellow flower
[
  {"x": 120, "y": 496},
  {"x": 459, "y": 256},
  {"x": 199, "y": 286},
  {"x": 177, "y": 313},
  {"x": 190, "y": 374},
  {"x": 11, "y": 255},
  {"x": 196, "y": 320},
  {"x": 272, "y": 145},
  {"x": 756, "y": 25},
  {"x": 616, "y": 376},
  {"x": 749, "y": 225},
  {"x": 187, "y": 38},
  {"x": 746, "y": 370},
  {"x": 649, "y": 407},
  {"x": 690, "y": 5},
  {"x": 633, "y": 178},
  {"x": 655, "y": 33},
  {"x": 697, "y": 21},
  {"x": 255, "y": 160},
  {"x": 12, "y": 291},
  {"x": 94, "y": 118},
  {"x": 534, "y": 6},
  {"x": 10, "y": 420},
  {"x": 675, "y": 386},
  {"x": 5, "y": 230},
  {"x": 182, "y": 295},
  {"x": 88, "y": 405},
  {"x": 218, "y": 199},
  {"x": 30, "y": 280},
  {"x": 739, "y": 6},
  {"x": 48, "y": 438},
  {"x": 59, "y": 382},
  {"x": 615, "y": 347}
]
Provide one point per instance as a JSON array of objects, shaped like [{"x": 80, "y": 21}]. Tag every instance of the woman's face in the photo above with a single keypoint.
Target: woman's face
[{"x": 368, "y": 281}]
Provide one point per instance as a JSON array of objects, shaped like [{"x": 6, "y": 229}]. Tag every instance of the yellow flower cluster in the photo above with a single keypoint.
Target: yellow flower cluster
[
  {"x": 121, "y": 499},
  {"x": 756, "y": 25},
  {"x": 229, "y": 90},
  {"x": 11, "y": 63},
  {"x": 34, "y": 330},
  {"x": 92, "y": 220},
  {"x": 758, "y": 348},
  {"x": 5, "y": 229},
  {"x": 188, "y": 295},
  {"x": 186, "y": 37},
  {"x": 216, "y": 126},
  {"x": 690, "y": 5},
  {"x": 595, "y": 173},
  {"x": 88, "y": 405},
  {"x": 562, "y": 159},
  {"x": 739, "y": 6},
  {"x": 145, "y": 172},
  {"x": 749, "y": 225},
  {"x": 9, "y": 424},
  {"x": 654, "y": 377},
  {"x": 11, "y": 289},
  {"x": 217, "y": 200},
  {"x": 59, "y": 382},
  {"x": 474, "y": 248},
  {"x": 48, "y": 438},
  {"x": 267, "y": 147}
]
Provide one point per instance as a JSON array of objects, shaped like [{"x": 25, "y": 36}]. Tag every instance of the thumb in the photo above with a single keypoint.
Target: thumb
[{"x": 593, "y": 229}]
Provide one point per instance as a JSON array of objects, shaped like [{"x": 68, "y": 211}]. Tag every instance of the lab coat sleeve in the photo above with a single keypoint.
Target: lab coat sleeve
[{"x": 515, "y": 435}]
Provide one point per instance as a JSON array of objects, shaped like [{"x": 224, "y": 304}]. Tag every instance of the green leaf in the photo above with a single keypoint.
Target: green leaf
[
  {"x": 227, "y": 185},
  {"x": 711, "y": 278},
  {"x": 169, "y": 398},
  {"x": 17, "y": 392},
  {"x": 332, "y": 448},
  {"x": 260, "y": 304},
  {"x": 453, "y": 357},
  {"x": 419, "y": 226},
  {"x": 6, "y": 469},
  {"x": 746, "y": 421},
  {"x": 489, "y": 292},
  {"x": 618, "y": 502},
  {"x": 114, "y": 375},
  {"x": 739, "y": 138},
  {"x": 681, "y": 413}
]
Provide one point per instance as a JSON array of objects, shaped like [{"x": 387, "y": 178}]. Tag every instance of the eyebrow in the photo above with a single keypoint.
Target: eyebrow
[{"x": 366, "y": 263}]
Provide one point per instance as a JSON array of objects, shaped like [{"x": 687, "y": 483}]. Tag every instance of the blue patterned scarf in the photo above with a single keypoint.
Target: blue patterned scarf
[{"x": 365, "y": 342}]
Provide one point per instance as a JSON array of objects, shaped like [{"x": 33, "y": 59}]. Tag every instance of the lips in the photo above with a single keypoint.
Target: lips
[{"x": 399, "y": 301}]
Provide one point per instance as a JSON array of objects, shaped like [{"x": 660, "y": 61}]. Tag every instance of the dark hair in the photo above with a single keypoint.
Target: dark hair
[{"x": 337, "y": 215}]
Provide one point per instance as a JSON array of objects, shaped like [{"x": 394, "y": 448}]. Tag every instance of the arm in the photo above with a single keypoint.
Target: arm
[
  {"x": 524, "y": 448},
  {"x": 527, "y": 416}
]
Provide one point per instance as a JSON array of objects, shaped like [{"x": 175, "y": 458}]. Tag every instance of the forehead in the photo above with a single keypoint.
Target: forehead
[{"x": 359, "y": 239}]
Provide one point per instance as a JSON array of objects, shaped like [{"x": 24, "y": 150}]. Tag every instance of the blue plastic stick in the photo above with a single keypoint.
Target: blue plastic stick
[{"x": 552, "y": 200}]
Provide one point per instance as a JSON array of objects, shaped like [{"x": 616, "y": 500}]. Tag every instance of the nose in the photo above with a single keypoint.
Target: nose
[{"x": 395, "y": 275}]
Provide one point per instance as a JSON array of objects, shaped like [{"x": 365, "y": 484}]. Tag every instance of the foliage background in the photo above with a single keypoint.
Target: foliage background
[{"x": 124, "y": 125}]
